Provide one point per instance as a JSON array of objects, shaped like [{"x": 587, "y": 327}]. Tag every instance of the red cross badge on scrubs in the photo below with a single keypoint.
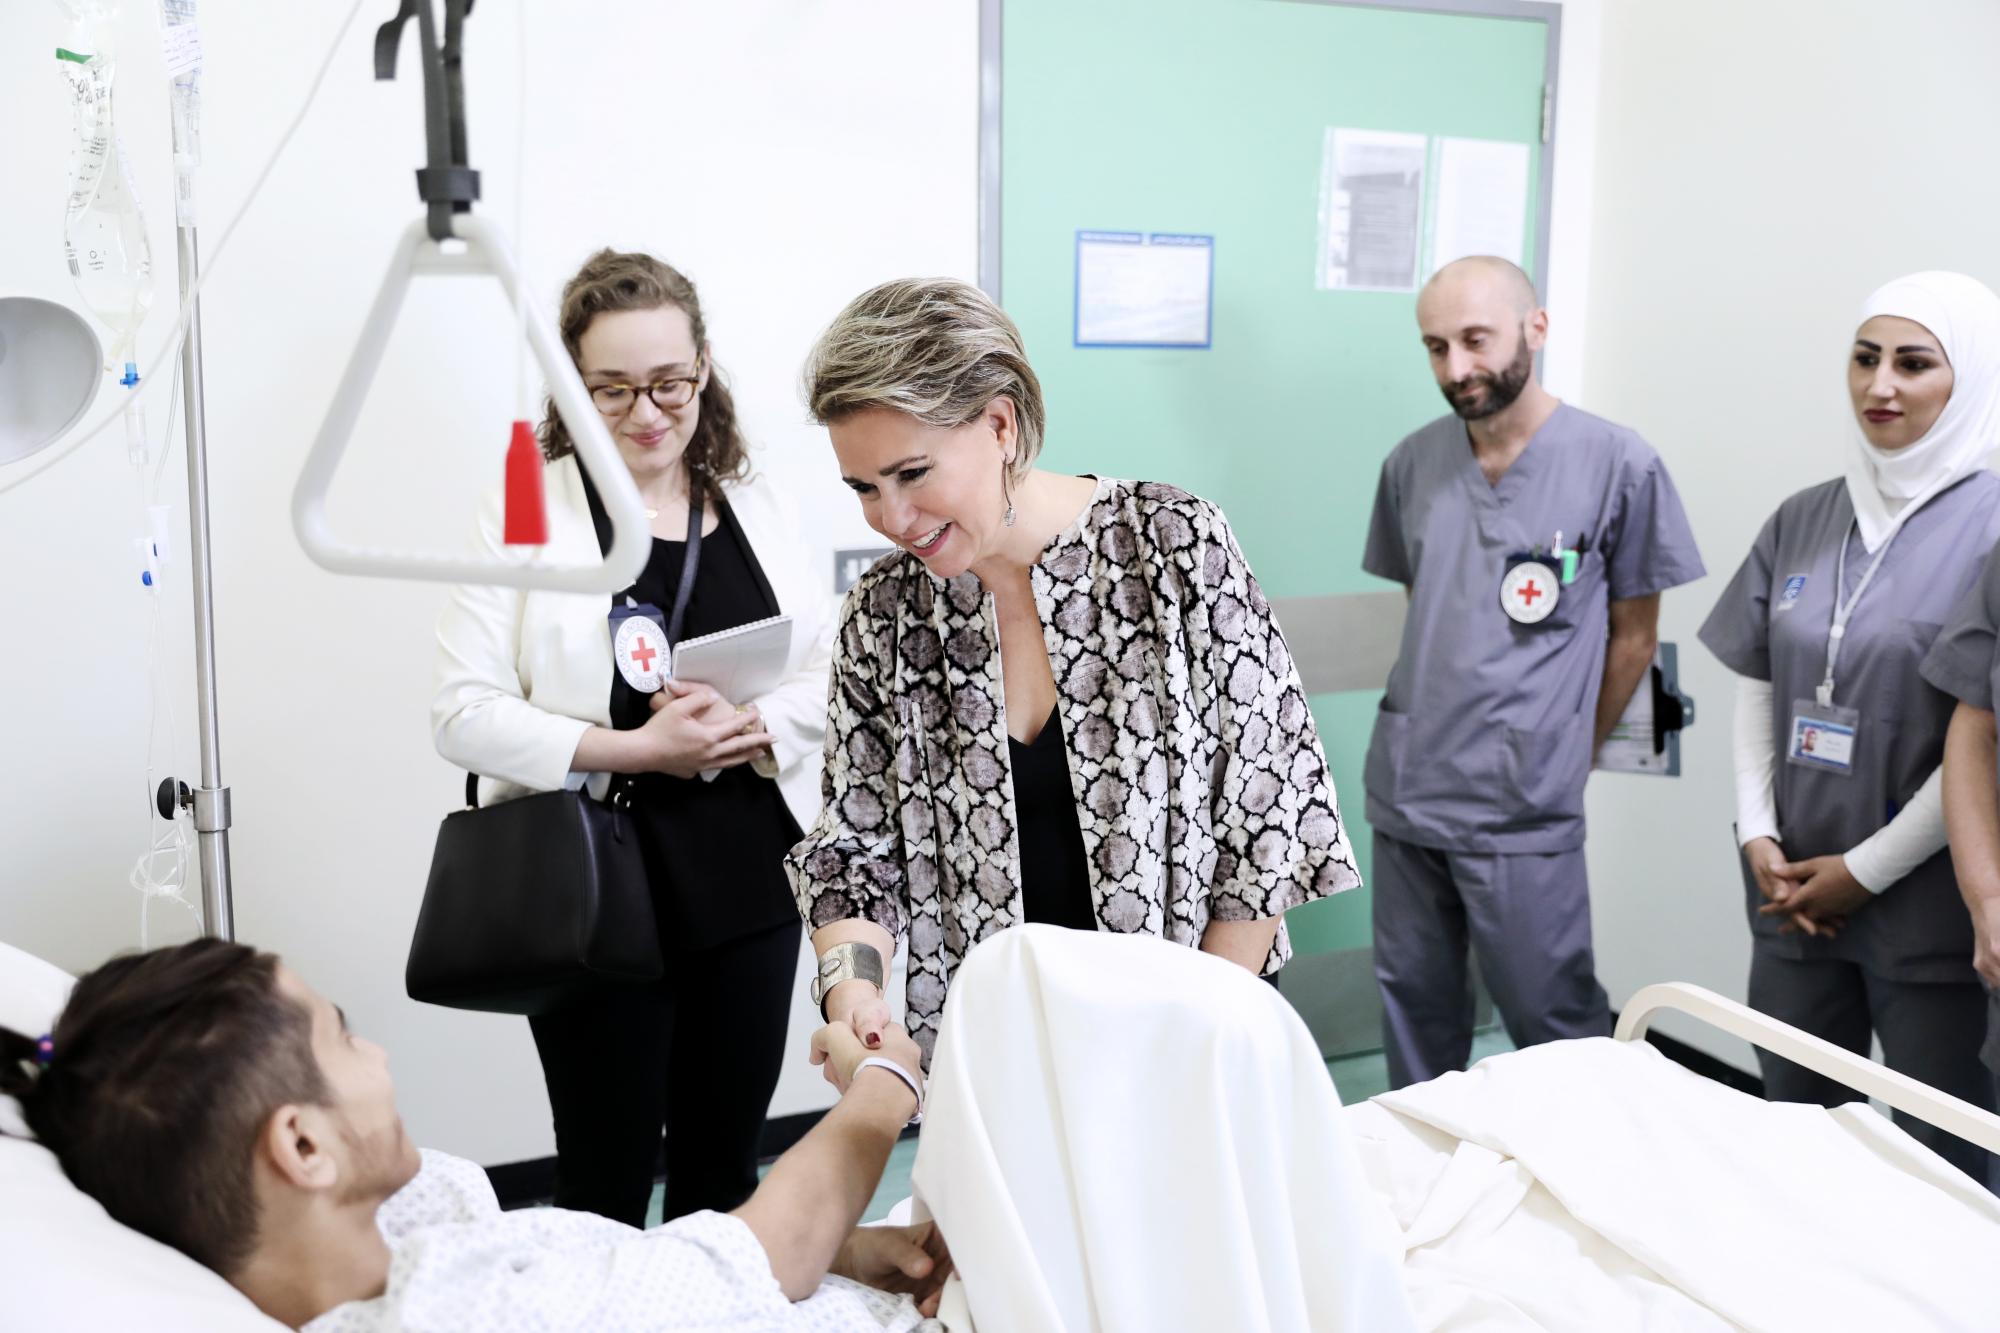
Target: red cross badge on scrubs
[
  {"x": 1529, "y": 592},
  {"x": 641, "y": 652}
]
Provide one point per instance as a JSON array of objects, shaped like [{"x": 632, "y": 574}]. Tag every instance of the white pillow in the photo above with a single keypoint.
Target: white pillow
[
  {"x": 31, "y": 995},
  {"x": 65, "y": 1266}
]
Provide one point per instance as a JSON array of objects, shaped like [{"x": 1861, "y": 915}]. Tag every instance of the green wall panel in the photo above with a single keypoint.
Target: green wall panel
[{"x": 1209, "y": 116}]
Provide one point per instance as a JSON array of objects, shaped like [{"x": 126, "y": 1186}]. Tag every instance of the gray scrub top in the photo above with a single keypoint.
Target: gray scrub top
[
  {"x": 1485, "y": 733},
  {"x": 1771, "y": 624},
  {"x": 1964, "y": 662}
]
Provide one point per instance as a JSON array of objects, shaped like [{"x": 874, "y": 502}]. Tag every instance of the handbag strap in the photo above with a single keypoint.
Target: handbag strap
[{"x": 618, "y": 795}]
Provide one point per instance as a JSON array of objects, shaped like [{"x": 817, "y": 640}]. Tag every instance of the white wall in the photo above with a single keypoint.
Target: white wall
[
  {"x": 1760, "y": 169},
  {"x": 785, "y": 153}
]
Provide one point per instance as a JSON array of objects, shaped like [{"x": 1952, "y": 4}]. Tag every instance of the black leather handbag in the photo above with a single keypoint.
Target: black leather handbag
[
  {"x": 532, "y": 900},
  {"x": 539, "y": 897}
]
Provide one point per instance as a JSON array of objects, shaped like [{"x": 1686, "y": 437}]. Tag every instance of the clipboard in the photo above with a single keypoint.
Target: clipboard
[{"x": 1647, "y": 738}]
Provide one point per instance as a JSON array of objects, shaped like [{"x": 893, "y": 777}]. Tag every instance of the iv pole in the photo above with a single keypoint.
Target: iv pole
[
  {"x": 448, "y": 187},
  {"x": 210, "y": 801}
]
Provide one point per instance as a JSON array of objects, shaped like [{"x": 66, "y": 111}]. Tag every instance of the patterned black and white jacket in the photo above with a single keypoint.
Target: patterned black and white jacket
[{"x": 1201, "y": 785}]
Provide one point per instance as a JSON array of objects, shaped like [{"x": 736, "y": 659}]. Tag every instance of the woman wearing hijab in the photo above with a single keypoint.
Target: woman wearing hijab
[{"x": 1858, "y": 929}]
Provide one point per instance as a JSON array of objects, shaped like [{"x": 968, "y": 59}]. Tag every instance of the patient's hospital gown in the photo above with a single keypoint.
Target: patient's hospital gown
[{"x": 463, "y": 1264}]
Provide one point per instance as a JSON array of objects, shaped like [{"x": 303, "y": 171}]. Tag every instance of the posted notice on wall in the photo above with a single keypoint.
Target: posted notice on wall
[
  {"x": 1482, "y": 200},
  {"x": 1371, "y": 209},
  {"x": 1144, "y": 289}
]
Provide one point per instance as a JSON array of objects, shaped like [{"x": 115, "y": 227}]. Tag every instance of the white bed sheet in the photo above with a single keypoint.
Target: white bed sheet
[
  {"x": 1595, "y": 1185},
  {"x": 1124, "y": 1135}
]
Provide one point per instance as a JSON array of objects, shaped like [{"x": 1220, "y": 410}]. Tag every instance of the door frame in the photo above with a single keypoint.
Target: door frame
[{"x": 991, "y": 19}]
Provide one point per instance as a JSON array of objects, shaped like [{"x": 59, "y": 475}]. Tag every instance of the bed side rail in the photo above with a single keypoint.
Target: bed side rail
[{"x": 1951, "y": 1114}]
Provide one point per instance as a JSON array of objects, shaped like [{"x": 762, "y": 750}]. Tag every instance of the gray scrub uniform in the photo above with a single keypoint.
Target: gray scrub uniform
[
  {"x": 1902, "y": 966},
  {"x": 1476, "y": 770},
  {"x": 1964, "y": 662}
]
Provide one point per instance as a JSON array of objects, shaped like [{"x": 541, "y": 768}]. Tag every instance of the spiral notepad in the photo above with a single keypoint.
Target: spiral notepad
[{"x": 741, "y": 664}]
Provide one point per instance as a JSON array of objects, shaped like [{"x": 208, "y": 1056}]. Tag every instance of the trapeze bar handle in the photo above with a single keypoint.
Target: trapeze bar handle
[{"x": 485, "y": 254}]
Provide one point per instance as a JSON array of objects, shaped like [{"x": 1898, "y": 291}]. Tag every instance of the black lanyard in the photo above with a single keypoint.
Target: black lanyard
[{"x": 690, "y": 561}]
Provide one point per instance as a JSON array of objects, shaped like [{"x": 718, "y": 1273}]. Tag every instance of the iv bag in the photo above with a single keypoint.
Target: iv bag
[{"x": 104, "y": 229}]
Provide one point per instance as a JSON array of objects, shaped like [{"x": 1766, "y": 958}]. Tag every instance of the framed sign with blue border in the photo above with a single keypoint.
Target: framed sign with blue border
[{"x": 1144, "y": 289}]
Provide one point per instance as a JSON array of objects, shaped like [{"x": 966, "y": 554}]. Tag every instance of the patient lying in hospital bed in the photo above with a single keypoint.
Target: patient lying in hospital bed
[
  {"x": 206, "y": 1096},
  {"x": 1121, "y": 1134}
]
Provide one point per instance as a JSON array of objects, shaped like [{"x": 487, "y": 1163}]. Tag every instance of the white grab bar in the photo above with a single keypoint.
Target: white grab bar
[
  {"x": 486, "y": 254},
  {"x": 1951, "y": 1114}
]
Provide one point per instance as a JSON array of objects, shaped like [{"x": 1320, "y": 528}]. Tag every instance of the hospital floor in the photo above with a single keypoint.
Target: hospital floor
[{"x": 1358, "y": 1077}]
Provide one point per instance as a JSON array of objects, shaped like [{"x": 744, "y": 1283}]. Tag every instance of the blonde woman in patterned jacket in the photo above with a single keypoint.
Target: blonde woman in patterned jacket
[{"x": 1062, "y": 699}]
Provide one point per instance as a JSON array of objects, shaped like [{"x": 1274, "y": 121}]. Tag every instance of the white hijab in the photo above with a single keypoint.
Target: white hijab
[{"x": 1887, "y": 486}]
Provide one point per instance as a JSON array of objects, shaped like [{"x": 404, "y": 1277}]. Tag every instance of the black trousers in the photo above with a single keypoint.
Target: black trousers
[
  {"x": 1930, "y": 1031},
  {"x": 695, "y": 1057}
]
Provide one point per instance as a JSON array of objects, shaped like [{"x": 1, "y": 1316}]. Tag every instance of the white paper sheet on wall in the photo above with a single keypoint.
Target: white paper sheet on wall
[
  {"x": 1482, "y": 201},
  {"x": 1143, "y": 289},
  {"x": 1371, "y": 210}
]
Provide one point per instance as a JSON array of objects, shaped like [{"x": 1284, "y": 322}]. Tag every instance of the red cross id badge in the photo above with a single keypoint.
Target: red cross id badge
[
  {"x": 1529, "y": 592},
  {"x": 640, "y": 648}
]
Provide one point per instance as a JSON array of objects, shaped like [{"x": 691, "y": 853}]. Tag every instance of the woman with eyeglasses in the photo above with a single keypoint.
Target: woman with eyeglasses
[{"x": 539, "y": 689}]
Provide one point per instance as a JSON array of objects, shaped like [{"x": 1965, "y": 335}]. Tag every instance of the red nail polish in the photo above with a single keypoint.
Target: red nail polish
[{"x": 872, "y": 1040}]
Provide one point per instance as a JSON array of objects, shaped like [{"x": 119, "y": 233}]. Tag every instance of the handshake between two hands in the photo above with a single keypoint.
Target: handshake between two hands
[
  {"x": 913, "y": 1260},
  {"x": 1815, "y": 896},
  {"x": 859, "y": 1033}
]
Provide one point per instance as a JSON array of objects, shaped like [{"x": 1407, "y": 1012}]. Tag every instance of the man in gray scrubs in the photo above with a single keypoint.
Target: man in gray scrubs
[
  {"x": 1534, "y": 541},
  {"x": 1964, "y": 662}
]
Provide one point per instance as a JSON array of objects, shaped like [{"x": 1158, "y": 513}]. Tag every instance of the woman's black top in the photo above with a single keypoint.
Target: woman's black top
[
  {"x": 1055, "y": 876},
  {"x": 715, "y": 850}
]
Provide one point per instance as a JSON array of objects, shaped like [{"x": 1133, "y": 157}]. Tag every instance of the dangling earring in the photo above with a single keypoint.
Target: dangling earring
[{"x": 1006, "y": 519}]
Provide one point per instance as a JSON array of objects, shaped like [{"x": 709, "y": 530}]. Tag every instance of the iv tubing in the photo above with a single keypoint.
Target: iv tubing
[{"x": 170, "y": 349}]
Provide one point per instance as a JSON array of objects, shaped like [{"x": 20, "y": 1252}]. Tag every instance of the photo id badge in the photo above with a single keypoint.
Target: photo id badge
[
  {"x": 1529, "y": 590},
  {"x": 1822, "y": 738},
  {"x": 639, "y": 647}
]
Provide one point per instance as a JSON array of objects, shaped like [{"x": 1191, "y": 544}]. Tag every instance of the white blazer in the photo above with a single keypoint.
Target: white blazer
[{"x": 522, "y": 675}]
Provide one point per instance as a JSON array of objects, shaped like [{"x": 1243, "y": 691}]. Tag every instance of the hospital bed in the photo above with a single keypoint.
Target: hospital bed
[
  {"x": 1494, "y": 1178},
  {"x": 1597, "y": 1185}
]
